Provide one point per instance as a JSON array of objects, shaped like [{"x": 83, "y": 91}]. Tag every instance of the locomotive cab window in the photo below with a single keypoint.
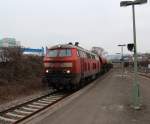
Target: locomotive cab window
[
  {"x": 59, "y": 53},
  {"x": 64, "y": 52},
  {"x": 78, "y": 53},
  {"x": 81, "y": 54},
  {"x": 52, "y": 53}
]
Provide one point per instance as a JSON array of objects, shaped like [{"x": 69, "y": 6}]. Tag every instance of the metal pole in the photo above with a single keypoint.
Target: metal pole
[
  {"x": 136, "y": 93},
  {"x": 122, "y": 60}
]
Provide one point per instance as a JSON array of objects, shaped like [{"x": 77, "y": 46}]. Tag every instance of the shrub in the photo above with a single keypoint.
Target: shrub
[{"x": 16, "y": 66}]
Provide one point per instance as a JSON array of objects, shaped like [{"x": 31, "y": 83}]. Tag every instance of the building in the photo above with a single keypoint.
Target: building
[{"x": 9, "y": 42}]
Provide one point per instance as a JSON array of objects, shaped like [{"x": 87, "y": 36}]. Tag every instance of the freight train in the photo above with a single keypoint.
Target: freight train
[{"x": 67, "y": 66}]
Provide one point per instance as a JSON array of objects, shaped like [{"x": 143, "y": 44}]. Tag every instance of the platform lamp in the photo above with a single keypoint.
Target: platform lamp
[
  {"x": 136, "y": 91},
  {"x": 122, "y": 59}
]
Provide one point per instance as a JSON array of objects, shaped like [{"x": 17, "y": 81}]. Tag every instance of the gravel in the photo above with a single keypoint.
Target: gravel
[{"x": 22, "y": 99}]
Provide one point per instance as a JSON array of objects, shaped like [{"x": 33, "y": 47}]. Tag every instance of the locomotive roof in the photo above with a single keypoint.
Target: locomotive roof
[
  {"x": 63, "y": 46},
  {"x": 70, "y": 46}
]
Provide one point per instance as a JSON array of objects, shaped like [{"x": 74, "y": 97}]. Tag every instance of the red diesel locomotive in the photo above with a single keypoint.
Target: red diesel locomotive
[{"x": 66, "y": 65}]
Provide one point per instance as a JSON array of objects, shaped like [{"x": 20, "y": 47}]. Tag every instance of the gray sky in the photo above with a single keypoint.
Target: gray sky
[{"x": 104, "y": 23}]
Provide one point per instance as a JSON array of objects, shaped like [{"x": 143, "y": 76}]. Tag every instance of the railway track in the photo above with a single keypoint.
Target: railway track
[
  {"x": 144, "y": 75},
  {"x": 23, "y": 111}
]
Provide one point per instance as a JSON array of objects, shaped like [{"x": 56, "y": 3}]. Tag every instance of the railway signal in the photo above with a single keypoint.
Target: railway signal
[{"x": 130, "y": 46}]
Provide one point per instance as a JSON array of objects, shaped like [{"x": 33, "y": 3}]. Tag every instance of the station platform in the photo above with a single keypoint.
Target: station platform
[{"x": 108, "y": 101}]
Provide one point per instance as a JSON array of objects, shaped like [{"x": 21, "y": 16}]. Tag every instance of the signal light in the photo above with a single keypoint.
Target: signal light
[{"x": 130, "y": 47}]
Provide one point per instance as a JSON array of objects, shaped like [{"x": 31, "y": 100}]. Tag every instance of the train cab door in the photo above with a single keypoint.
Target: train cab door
[
  {"x": 81, "y": 63},
  {"x": 82, "y": 67}
]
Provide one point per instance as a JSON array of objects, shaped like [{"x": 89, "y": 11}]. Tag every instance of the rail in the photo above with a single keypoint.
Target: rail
[{"x": 23, "y": 111}]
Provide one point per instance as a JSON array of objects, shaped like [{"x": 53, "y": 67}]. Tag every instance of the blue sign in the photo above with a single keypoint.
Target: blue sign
[{"x": 32, "y": 50}]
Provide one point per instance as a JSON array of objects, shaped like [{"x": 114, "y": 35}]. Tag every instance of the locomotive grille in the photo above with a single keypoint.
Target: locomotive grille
[
  {"x": 58, "y": 74},
  {"x": 56, "y": 71}
]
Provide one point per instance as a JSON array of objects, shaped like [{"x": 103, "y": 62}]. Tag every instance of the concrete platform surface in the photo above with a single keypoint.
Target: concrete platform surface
[{"x": 108, "y": 102}]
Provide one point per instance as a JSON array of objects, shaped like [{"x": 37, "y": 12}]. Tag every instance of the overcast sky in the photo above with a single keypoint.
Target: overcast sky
[{"x": 104, "y": 23}]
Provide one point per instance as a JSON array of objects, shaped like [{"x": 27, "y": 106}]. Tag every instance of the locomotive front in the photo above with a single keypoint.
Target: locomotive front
[{"x": 60, "y": 66}]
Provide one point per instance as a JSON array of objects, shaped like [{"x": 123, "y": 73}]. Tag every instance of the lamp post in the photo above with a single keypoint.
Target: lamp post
[
  {"x": 136, "y": 89},
  {"x": 118, "y": 54},
  {"x": 122, "y": 61}
]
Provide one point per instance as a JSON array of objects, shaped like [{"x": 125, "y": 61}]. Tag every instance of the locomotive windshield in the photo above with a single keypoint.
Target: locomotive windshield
[
  {"x": 65, "y": 52},
  {"x": 52, "y": 53},
  {"x": 59, "y": 53}
]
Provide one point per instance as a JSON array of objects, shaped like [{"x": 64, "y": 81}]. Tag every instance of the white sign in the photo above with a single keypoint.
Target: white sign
[{"x": 149, "y": 66}]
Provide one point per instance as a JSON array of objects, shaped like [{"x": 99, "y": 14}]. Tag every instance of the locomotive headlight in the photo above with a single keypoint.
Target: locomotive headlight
[
  {"x": 68, "y": 71},
  {"x": 47, "y": 71}
]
